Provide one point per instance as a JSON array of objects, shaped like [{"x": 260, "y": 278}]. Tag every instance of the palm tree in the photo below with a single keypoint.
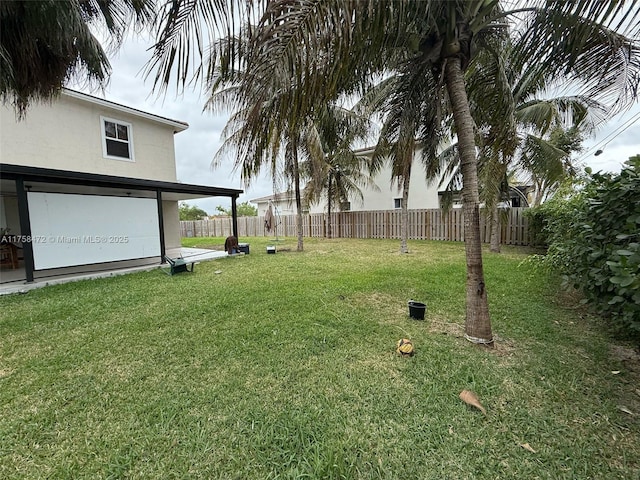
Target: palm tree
[
  {"x": 45, "y": 43},
  {"x": 254, "y": 136},
  {"x": 512, "y": 120},
  {"x": 547, "y": 161},
  {"x": 335, "y": 171},
  {"x": 325, "y": 47},
  {"x": 260, "y": 131},
  {"x": 412, "y": 111}
]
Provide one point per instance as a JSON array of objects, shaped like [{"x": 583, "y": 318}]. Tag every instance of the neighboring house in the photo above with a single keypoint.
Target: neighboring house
[
  {"x": 384, "y": 195},
  {"x": 88, "y": 182},
  {"x": 282, "y": 203},
  {"x": 518, "y": 197}
]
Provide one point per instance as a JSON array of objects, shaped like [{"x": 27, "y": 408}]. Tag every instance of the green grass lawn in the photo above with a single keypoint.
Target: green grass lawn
[{"x": 284, "y": 366}]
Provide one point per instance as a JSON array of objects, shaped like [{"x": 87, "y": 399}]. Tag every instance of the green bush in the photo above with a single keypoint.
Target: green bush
[
  {"x": 537, "y": 223},
  {"x": 593, "y": 235},
  {"x": 549, "y": 221}
]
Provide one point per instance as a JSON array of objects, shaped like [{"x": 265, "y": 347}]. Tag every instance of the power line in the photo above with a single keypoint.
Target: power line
[{"x": 605, "y": 141}]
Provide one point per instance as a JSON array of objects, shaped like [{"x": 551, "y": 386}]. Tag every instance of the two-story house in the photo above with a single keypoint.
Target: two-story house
[{"x": 86, "y": 183}]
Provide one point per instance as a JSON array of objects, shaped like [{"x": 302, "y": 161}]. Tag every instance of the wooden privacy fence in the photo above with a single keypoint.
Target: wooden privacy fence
[{"x": 423, "y": 225}]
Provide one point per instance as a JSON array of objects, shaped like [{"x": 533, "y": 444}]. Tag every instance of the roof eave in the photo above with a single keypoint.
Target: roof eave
[{"x": 177, "y": 125}]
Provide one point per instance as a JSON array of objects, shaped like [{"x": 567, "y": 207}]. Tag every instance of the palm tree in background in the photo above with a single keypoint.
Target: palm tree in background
[
  {"x": 257, "y": 137},
  {"x": 513, "y": 119},
  {"x": 547, "y": 161},
  {"x": 45, "y": 43},
  {"x": 334, "y": 170},
  {"x": 413, "y": 117},
  {"x": 325, "y": 48}
]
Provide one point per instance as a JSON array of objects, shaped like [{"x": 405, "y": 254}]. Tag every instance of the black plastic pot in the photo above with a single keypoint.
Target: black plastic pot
[{"x": 417, "y": 310}]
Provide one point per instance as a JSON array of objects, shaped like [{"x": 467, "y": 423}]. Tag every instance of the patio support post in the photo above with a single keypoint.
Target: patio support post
[
  {"x": 25, "y": 229},
  {"x": 163, "y": 250},
  {"x": 234, "y": 215}
]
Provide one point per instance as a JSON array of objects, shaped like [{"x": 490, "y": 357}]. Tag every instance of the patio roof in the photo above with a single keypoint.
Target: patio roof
[{"x": 178, "y": 191}]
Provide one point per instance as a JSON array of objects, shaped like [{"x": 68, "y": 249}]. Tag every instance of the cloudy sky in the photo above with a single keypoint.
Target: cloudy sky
[
  {"x": 196, "y": 146},
  {"x": 619, "y": 138}
]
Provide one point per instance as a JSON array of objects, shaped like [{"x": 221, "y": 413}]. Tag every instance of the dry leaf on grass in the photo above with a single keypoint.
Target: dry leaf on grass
[
  {"x": 470, "y": 398},
  {"x": 528, "y": 447}
]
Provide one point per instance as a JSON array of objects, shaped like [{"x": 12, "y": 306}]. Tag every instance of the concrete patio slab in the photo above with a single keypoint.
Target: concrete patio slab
[{"x": 12, "y": 281}]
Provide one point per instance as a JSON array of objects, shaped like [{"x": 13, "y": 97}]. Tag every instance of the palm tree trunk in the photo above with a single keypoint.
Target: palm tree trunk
[
  {"x": 495, "y": 228},
  {"x": 329, "y": 193},
  {"x": 537, "y": 199},
  {"x": 296, "y": 176},
  {"x": 404, "y": 219},
  {"x": 477, "y": 324}
]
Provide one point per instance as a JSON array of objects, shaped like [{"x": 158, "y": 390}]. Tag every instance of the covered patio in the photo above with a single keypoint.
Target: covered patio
[{"x": 56, "y": 216}]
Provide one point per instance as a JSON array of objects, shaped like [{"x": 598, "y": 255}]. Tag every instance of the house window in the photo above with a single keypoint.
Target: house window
[
  {"x": 117, "y": 141},
  {"x": 397, "y": 203},
  {"x": 345, "y": 206}
]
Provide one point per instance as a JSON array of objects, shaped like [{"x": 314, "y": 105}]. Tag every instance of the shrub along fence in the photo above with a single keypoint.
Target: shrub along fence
[{"x": 423, "y": 225}]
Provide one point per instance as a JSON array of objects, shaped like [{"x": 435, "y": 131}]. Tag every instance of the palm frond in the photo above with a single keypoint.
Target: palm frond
[
  {"x": 579, "y": 41},
  {"x": 44, "y": 44},
  {"x": 183, "y": 30}
]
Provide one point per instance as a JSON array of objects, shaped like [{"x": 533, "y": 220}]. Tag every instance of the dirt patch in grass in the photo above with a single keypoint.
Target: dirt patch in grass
[
  {"x": 383, "y": 303},
  {"x": 502, "y": 347},
  {"x": 442, "y": 326},
  {"x": 629, "y": 357}
]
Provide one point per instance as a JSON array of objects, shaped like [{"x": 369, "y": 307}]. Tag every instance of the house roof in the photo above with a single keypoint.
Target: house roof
[
  {"x": 365, "y": 151},
  {"x": 178, "y": 191},
  {"x": 275, "y": 197},
  {"x": 176, "y": 124}
]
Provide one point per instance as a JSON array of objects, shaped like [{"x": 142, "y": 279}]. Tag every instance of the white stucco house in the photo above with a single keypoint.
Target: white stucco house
[
  {"x": 384, "y": 195},
  {"x": 86, "y": 183}
]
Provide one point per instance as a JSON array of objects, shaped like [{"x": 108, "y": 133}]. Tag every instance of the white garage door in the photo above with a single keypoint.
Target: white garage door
[{"x": 70, "y": 229}]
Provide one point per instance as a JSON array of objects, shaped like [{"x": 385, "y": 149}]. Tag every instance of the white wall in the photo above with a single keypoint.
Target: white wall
[
  {"x": 71, "y": 229},
  {"x": 421, "y": 195},
  {"x": 284, "y": 206},
  {"x": 171, "y": 219},
  {"x": 67, "y": 135}
]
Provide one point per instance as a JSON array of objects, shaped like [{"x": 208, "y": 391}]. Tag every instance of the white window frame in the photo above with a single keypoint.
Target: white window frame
[
  {"x": 399, "y": 201},
  {"x": 104, "y": 139}
]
